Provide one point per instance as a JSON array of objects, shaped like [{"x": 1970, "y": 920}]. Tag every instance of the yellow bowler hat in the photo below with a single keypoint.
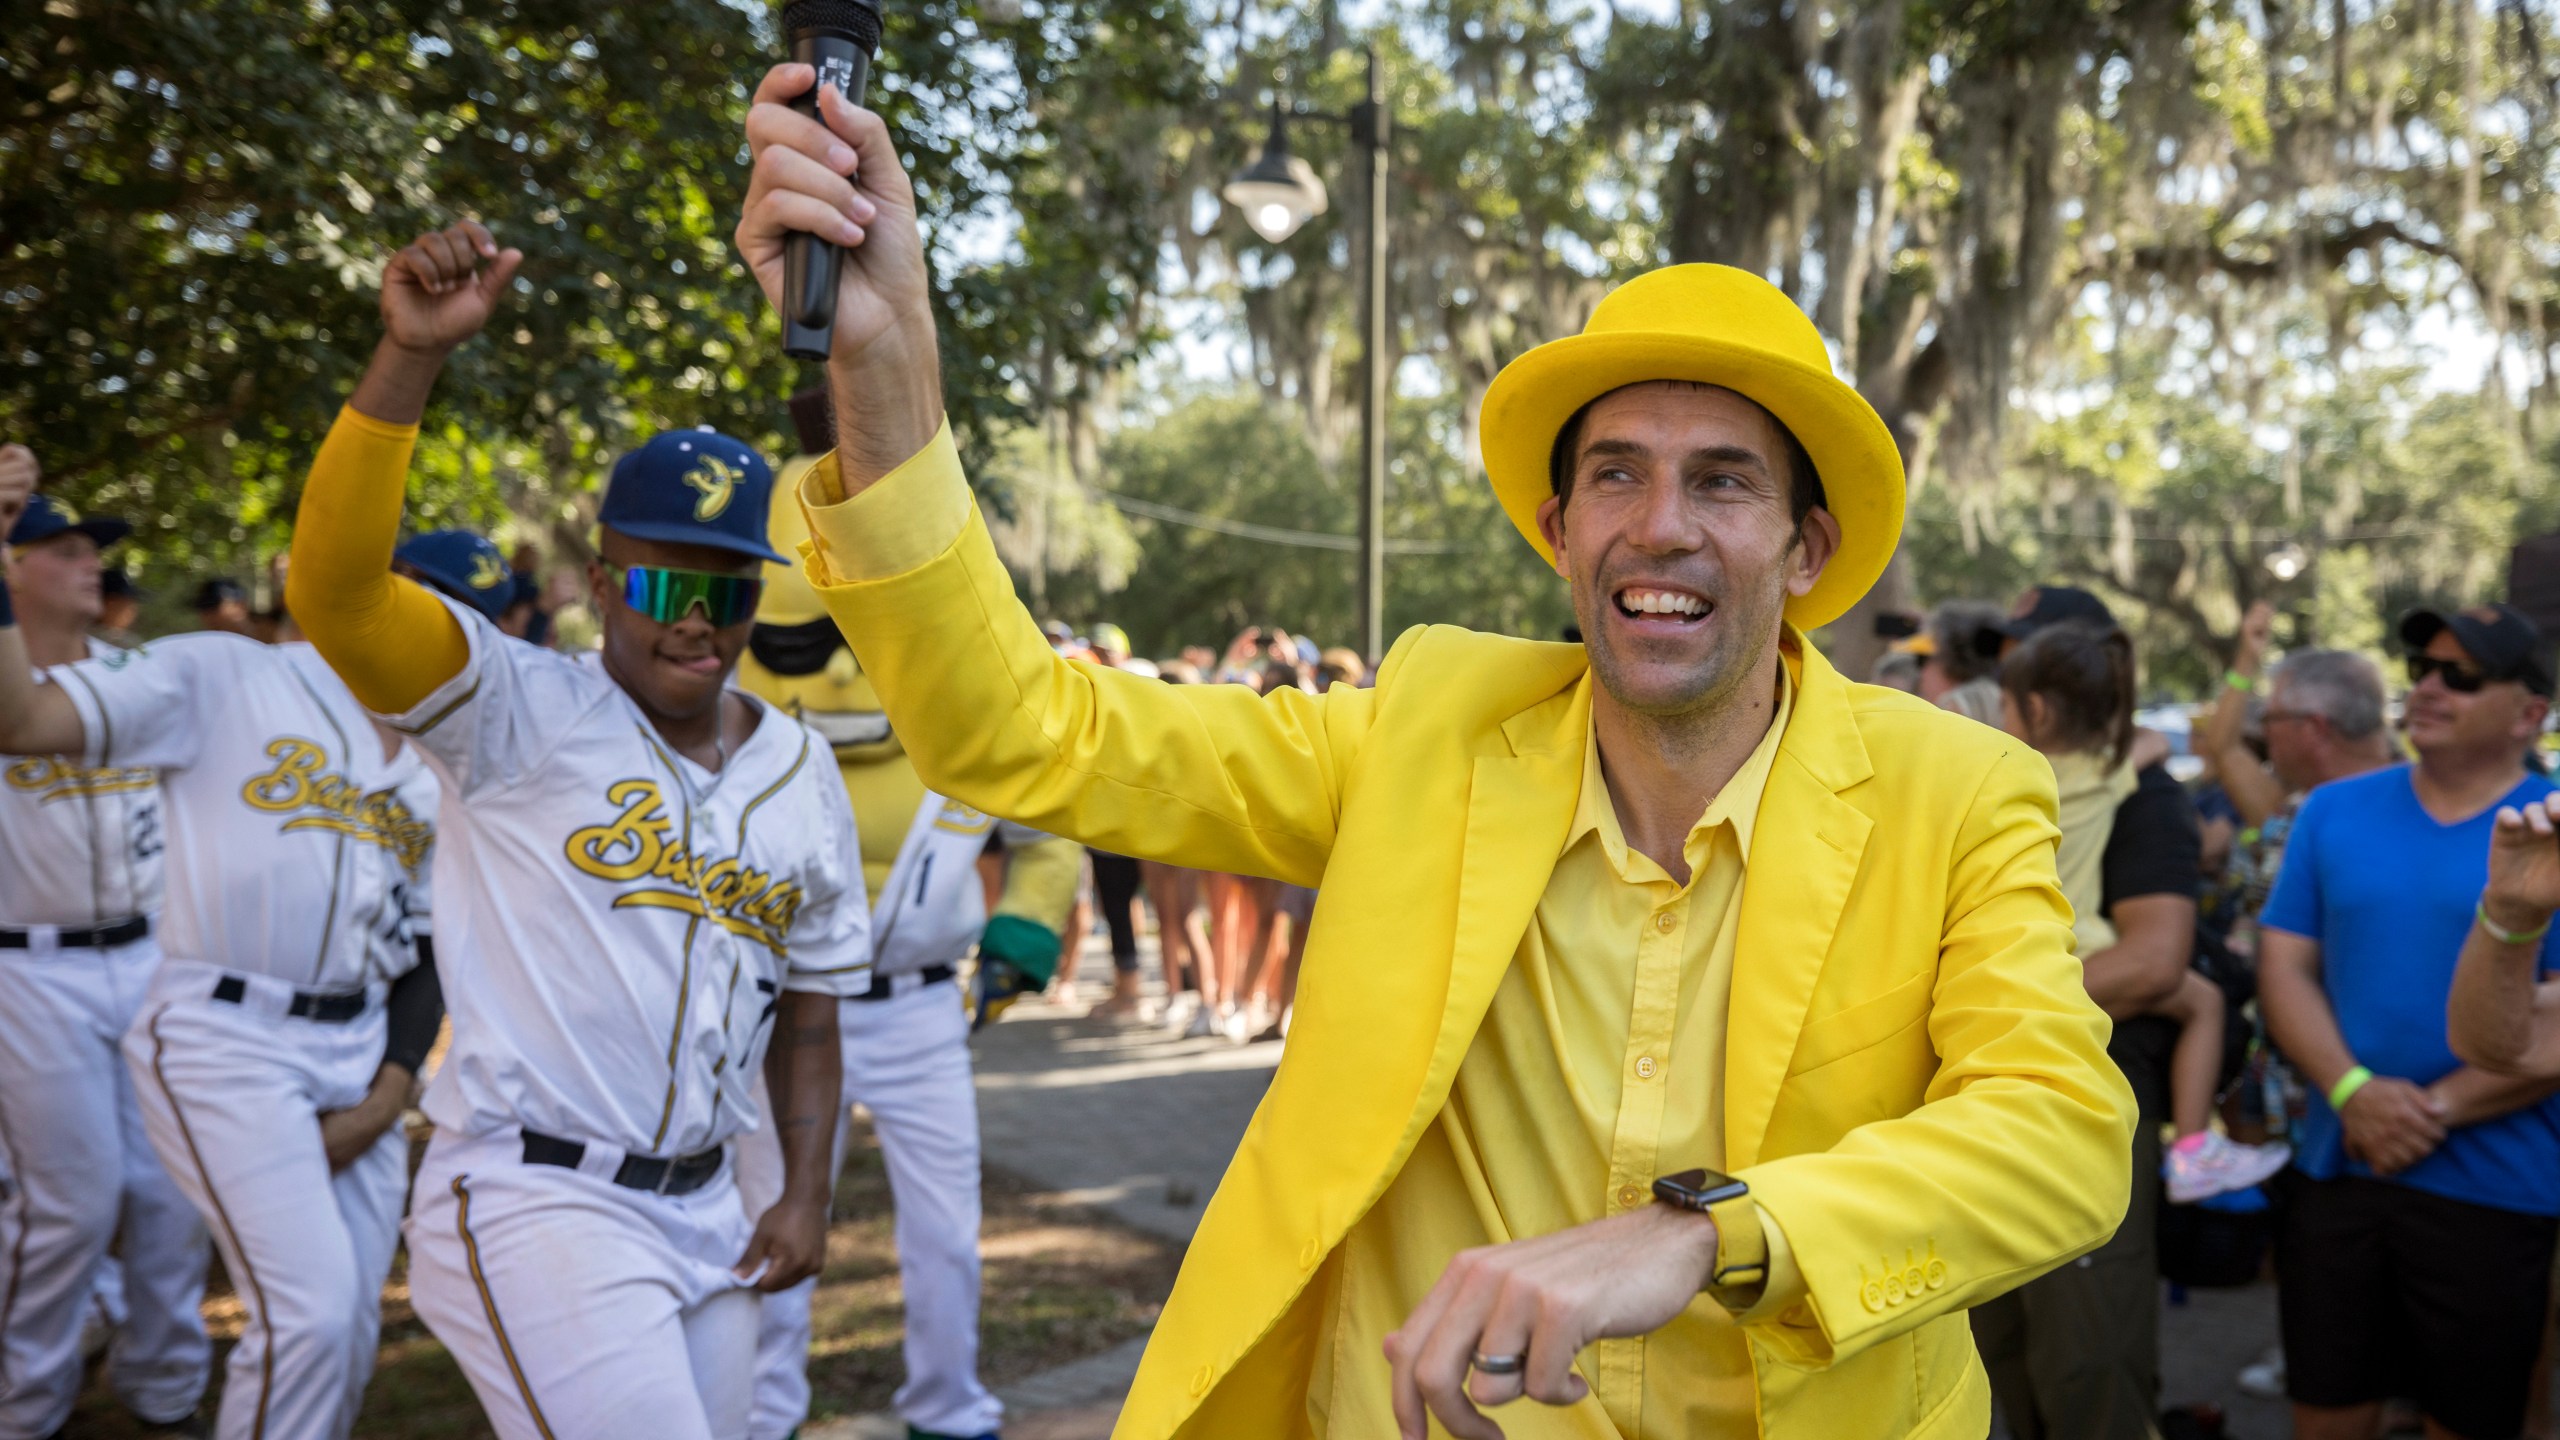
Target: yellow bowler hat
[{"x": 1720, "y": 326}]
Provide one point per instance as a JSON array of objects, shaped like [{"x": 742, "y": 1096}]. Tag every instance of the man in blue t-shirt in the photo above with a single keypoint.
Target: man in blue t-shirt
[{"x": 2416, "y": 1245}]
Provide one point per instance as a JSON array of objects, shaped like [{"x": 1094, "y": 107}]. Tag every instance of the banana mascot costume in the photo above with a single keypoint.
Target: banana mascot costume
[{"x": 906, "y": 1042}]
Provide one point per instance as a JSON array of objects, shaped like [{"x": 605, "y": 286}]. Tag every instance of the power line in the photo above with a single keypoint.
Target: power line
[
  {"x": 1266, "y": 534},
  {"x": 2152, "y": 537}
]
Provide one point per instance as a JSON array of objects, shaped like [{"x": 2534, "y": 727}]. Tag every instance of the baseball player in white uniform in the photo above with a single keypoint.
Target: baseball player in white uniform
[
  {"x": 645, "y": 877},
  {"x": 80, "y": 869},
  {"x": 906, "y": 1039},
  {"x": 295, "y": 830}
]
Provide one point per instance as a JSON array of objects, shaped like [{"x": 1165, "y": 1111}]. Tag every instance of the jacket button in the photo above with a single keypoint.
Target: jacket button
[
  {"x": 1200, "y": 1381},
  {"x": 1937, "y": 1274},
  {"x": 1913, "y": 1282},
  {"x": 1873, "y": 1295},
  {"x": 1309, "y": 1254},
  {"x": 1893, "y": 1292}
]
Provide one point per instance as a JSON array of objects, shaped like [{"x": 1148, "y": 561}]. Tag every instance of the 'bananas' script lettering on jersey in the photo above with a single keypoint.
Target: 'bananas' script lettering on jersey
[
  {"x": 318, "y": 798},
  {"x": 49, "y": 779},
  {"x": 642, "y": 843}
]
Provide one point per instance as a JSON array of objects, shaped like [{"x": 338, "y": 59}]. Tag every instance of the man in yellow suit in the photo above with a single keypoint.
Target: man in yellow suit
[
  {"x": 1687, "y": 1037},
  {"x": 906, "y": 1038}
]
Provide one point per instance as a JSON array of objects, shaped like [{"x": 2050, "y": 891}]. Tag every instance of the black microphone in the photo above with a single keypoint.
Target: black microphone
[{"x": 838, "y": 37}]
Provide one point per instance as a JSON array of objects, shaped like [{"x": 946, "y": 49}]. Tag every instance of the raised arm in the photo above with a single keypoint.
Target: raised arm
[
  {"x": 2502, "y": 1016},
  {"x": 1201, "y": 775},
  {"x": 388, "y": 638},
  {"x": 34, "y": 719},
  {"x": 2254, "y": 790}
]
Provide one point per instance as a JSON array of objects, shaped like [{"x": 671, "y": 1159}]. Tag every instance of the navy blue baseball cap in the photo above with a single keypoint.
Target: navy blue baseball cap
[
  {"x": 463, "y": 566},
  {"x": 693, "y": 487},
  {"x": 46, "y": 517}
]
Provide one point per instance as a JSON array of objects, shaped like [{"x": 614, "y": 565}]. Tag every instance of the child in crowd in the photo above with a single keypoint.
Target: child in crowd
[{"x": 2069, "y": 690}]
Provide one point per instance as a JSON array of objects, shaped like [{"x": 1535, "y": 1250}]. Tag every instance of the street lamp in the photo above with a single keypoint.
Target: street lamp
[{"x": 1278, "y": 193}]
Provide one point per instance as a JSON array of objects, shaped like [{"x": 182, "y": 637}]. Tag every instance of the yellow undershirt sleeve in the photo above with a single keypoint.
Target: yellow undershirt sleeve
[
  {"x": 908, "y": 517},
  {"x": 389, "y": 638}
]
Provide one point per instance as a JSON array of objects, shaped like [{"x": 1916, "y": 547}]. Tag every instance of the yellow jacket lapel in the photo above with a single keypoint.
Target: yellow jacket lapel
[{"x": 1805, "y": 850}]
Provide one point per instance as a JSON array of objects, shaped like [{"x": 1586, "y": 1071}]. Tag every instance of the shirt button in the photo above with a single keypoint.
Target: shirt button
[
  {"x": 1628, "y": 1195},
  {"x": 1200, "y": 1381},
  {"x": 1645, "y": 1067},
  {"x": 1665, "y": 922}
]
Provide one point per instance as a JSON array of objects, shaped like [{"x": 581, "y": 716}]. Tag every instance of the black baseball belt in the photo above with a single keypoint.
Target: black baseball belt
[
  {"x": 885, "y": 987},
  {"x": 657, "y": 1174},
  {"x": 329, "y": 1007},
  {"x": 92, "y": 937}
]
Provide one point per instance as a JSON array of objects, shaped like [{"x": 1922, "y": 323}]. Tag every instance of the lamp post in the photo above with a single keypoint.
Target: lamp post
[{"x": 1278, "y": 193}]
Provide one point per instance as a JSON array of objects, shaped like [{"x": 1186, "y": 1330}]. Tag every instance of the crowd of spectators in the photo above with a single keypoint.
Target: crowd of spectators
[
  {"x": 1229, "y": 945},
  {"x": 2277, "y": 941}
]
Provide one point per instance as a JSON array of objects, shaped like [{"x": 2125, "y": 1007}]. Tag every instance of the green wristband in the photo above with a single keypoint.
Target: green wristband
[
  {"x": 2490, "y": 928},
  {"x": 2347, "y": 1086},
  {"x": 2246, "y": 684}
]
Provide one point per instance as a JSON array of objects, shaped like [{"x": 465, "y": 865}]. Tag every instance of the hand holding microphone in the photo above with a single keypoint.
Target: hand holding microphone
[
  {"x": 834, "y": 177},
  {"x": 837, "y": 38}
]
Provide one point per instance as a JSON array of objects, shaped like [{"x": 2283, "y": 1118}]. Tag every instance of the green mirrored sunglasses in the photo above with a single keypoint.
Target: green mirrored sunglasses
[{"x": 667, "y": 596}]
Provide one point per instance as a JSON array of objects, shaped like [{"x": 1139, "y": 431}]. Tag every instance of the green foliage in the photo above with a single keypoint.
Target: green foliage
[
  {"x": 195, "y": 201},
  {"x": 2181, "y": 514},
  {"x": 1238, "y": 460}
]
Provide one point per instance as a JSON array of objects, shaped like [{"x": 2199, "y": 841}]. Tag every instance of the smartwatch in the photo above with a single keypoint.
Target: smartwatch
[
  {"x": 1742, "y": 1250},
  {"x": 1698, "y": 1190}
]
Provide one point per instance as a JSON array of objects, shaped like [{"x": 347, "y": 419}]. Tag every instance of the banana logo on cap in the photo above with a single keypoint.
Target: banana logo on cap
[
  {"x": 488, "y": 571},
  {"x": 717, "y": 480}
]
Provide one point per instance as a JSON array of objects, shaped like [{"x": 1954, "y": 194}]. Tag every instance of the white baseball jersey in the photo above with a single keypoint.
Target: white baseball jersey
[
  {"x": 615, "y": 923},
  {"x": 932, "y": 907},
  {"x": 79, "y": 846},
  {"x": 292, "y": 839}
]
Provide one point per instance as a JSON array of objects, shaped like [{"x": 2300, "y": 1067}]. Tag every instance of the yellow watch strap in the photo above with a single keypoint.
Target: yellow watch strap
[{"x": 1742, "y": 1247}]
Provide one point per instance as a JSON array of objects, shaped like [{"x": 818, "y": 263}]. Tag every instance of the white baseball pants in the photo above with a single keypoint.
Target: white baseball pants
[
  {"x": 75, "y": 1167},
  {"x": 906, "y": 1060},
  {"x": 580, "y": 1309},
  {"x": 232, "y": 1095}
]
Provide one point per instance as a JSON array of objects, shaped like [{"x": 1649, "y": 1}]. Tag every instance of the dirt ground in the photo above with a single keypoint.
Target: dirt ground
[{"x": 1061, "y": 1283}]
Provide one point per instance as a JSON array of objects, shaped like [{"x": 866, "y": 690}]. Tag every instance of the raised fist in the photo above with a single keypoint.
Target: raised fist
[
  {"x": 2524, "y": 866},
  {"x": 441, "y": 289},
  {"x": 837, "y": 177},
  {"x": 18, "y": 476},
  {"x": 2257, "y": 631}
]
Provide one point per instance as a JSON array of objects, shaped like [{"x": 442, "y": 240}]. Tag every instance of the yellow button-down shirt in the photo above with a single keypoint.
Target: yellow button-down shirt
[{"x": 1600, "y": 1066}]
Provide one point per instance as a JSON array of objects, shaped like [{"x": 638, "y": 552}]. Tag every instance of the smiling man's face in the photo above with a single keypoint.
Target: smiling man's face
[
  {"x": 675, "y": 671},
  {"x": 1679, "y": 542}
]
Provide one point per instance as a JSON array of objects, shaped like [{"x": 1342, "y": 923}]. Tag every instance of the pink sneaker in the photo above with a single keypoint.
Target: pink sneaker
[{"x": 2206, "y": 1164}]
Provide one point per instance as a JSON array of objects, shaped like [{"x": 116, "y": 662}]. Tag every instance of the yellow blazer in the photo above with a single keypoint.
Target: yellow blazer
[{"x": 1916, "y": 1084}]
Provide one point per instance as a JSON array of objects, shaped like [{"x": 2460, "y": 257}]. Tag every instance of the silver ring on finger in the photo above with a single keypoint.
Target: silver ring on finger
[{"x": 1500, "y": 1364}]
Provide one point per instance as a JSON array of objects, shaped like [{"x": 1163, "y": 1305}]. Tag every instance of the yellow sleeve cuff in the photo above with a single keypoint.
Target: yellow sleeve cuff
[
  {"x": 1747, "y": 1238},
  {"x": 905, "y": 519},
  {"x": 358, "y": 422}
]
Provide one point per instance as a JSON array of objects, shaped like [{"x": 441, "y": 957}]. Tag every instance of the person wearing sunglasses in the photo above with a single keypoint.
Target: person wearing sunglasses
[
  {"x": 2417, "y": 1242},
  {"x": 654, "y": 901}
]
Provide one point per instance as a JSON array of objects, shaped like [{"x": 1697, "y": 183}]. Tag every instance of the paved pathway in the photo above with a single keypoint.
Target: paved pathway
[{"x": 1138, "y": 1123}]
